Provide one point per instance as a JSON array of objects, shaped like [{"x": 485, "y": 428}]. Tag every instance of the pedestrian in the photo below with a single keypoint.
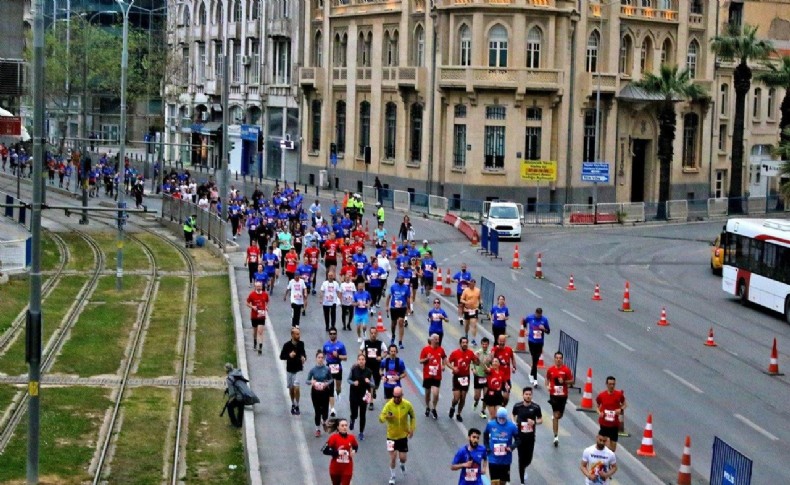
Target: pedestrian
[
  {"x": 459, "y": 362},
  {"x": 526, "y": 414},
  {"x": 380, "y": 214},
  {"x": 320, "y": 380},
  {"x": 433, "y": 359},
  {"x": 436, "y": 317},
  {"x": 335, "y": 352},
  {"x": 342, "y": 447},
  {"x": 499, "y": 316},
  {"x": 360, "y": 392},
  {"x": 392, "y": 370},
  {"x": 294, "y": 355},
  {"x": 428, "y": 266},
  {"x": 189, "y": 229},
  {"x": 271, "y": 267},
  {"x": 500, "y": 438},
  {"x": 405, "y": 229},
  {"x": 599, "y": 463},
  {"x": 507, "y": 359},
  {"x": 558, "y": 378},
  {"x": 235, "y": 407},
  {"x": 347, "y": 290},
  {"x": 258, "y": 302},
  {"x": 401, "y": 422},
  {"x": 374, "y": 351},
  {"x": 495, "y": 383},
  {"x": 611, "y": 404},
  {"x": 330, "y": 295},
  {"x": 470, "y": 299},
  {"x": 480, "y": 373},
  {"x": 398, "y": 302},
  {"x": 298, "y": 292},
  {"x": 471, "y": 459},
  {"x": 537, "y": 327},
  {"x": 362, "y": 302},
  {"x": 251, "y": 258},
  {"x": 461, "y": 279},
  {"x": 376, "y": 279}
]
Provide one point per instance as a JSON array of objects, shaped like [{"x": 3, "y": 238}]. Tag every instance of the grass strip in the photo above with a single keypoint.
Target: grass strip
[
  {"x": 14, "y": 296},
  {"x": 166, "y": 256},
  {"x": 70, "y": 422},
  {"x": 80, "y": 253},
  {"x": 50, "y": 255},
  {"x": 132, "y": 290},
  {"x": 214, "y": 449},
  {"x": 7, "y": 393},
  {"x": 161, "y": 341},
  {"x": 214, "y": 342},
  {"x": 134, "y": 258},
  {"x": 53, "y": 310},
  {"x": 139, "y": 453}
]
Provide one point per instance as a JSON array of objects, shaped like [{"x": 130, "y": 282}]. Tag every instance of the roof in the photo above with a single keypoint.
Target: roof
[{"x": 636, "y": 94}]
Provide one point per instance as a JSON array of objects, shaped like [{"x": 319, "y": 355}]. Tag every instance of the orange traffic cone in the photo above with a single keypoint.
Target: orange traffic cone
[
  {"x": 539, "y": 268},
  {"x": 516, "y": 260},
  {"x": 587, "y": 398},
  {"x": 380, "y": 325},
  {"x": 662, "y": 322},
  {"x": 521, "y": 343},
  {"x": 541, "y": 365},
  {"x": 439, "y": 287},
  {"x": 647, "y": 439},
  {"x": 571, "y": 286},
  {"x": 597, "y": 293},
  {"x": 773, "y": 364},
  {"x": 710, "y": 342},
  {"x": 448, "y": 283},
  {"x": 626, "y": 299},
  {"x": 684, "y": 473},
  {"x": 394, "y": 248}
]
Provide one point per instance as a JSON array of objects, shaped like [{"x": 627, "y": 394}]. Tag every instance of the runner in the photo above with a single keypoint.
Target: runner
[
  {"x": 471, "y": 459},
  {"x": 258, "y": 302},
  {"x": 305, "y": 270},
  {"x": 342, "y": 447},
  {"x": 459, "y": 362},
  {"x": 599, "y": 463},
  {"x": 495, "y": 383},
  {"x": 376, "y": 278},
  {"x": 558, "y": 378},
  {"x": 436, "y": 316},
  {"x": 462, "y": 280},
  {"x": 611, "y": 404},
  {"x": 298, "y": 291},
  {"x": 374, "y": 350},
  {"x": 294, "y": 355},
  {"x": 261, "y": 276},
  {"x": 499, "y": 316},
  {"x": 335, "y": 352},
  {"x": 401, "y": 421},
  {"x": 291, "y": 261},
  {"x": 272, "y": 267},
  {"x": 392, "y": 370},
  {"x": 507, "y": 359},
  {"x": 398, "y": 301},
  {"x": 470, "y": 300},
  {"x": 360, "y": 392},
  {"x": 331, "y": 247},
  {"x": 347, "y": 290},
  {"x": 480, "y": 373},
  {"x": 251, "y": 259},
  {"x": 320, "y": 380},
  {"x": 428, "y": 268},
  {"x": 433, "y": 360},
  {"x": 313, "y": 254},
  {"x": 362, "y": 302},
  {"x": 330, "y": 295},
  {"x": 537, "y": 327},
  {"x": 500, "y": 438},
  {"x": 526, "y": 415}
]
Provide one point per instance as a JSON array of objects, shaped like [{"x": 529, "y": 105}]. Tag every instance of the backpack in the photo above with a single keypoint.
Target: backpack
[{"x": 238, "y": 389}]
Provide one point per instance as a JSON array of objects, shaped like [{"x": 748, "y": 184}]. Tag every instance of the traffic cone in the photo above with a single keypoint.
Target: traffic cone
[
  {"x": 773, "y": 364},
  {"x": 684, "y": 473},
  {"x": 448, "y": 283},
  {"x": 439, "y": 287},
  {"x": 516, "y": 261},
  {"x": 394, "y": 248},
  {"x": 587, "y": 398},
  {"x": 521, "y": 342},
  {"x": 597, "y": 293},
  {"x": 662, "y": 322},
  {"x": 539, "y": 268},
  {"x": 380, "y": 325},
  {"x": 367, "y": 232},
  {"x": 710, "y": 342},
  {"x": 541, "y": 365},
  {"x": 626, "y": 299},
  {"x": 647, "y": 439},
  {"x": 621, "y": 428},
  {"x": 571, "y": 286}
]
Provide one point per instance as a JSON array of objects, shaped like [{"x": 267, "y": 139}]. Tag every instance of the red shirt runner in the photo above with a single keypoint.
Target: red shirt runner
[
  {"x": 331, "y": 247},
  {"x": 609, "y": 404},
  {"x": 253, "y": 255},
  {"x": 260, "y": 302},
  {"x": 291, "y": 260},
  {"x": 506, "y": 357},
  {"x": 461, "y": 359},
  {"x": 553, "y": 374},
  {"x": 495, "y": 380},
  {"x": 343, "y": 463},
  {"x": 433, "y": 368},
  {"x": 312, "y": 253}
]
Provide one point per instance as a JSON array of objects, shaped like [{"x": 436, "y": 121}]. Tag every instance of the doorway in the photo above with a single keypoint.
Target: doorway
[{"x": 639, "y": 150}]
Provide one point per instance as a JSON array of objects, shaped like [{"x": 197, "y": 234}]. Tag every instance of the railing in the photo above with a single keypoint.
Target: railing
[
  {"x": 339, "y": 74},
  {"x": 208, "y": 223},
  {"x": 695, "y": 20},
  {"x": 494, "y": 77}
]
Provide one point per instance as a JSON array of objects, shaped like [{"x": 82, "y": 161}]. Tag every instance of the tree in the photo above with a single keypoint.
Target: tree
[
  {"x": 783, "y": 151},
  {"x": 778, "y": 76},
  {"x": 740, "y": 45},
  {"x": 673, "y": 86}
]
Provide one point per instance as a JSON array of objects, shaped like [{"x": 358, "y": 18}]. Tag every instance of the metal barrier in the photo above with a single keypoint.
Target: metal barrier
[
  {"x": 578, "y": 214},
  {"x": 569, "y": 347},
  {"x": 717, "y": 208},
  {"x": 419, "y": 202},
  {"x": 487, "y": 290},
  {"x": 698, "y": 209},
  {"x": 209, "y": 224},
  {"x": 729, "y": 466},
  {"x": 483, "y": 239},
  {"x": 677, "y": 210},
  {"x": 20, "y": 215},
  {"x": 15, "y": 255},
  {"x": 607, "y": 213},
  {"x": 401, "y": 200},
  {"x": 437, "y": 206},
  {"x": 633, "y": 212},
  {"x": 493, "y": 244},
  {"x": 369, "y": 195},
  {"x": 544, "y": 214},
  {"x": 756, "y": 205}
]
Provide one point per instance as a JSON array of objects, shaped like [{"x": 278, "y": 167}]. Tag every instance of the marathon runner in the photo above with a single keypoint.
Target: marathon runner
[
  {"x": 500, "y": 438},
  {"x": 537, "y": 327},
  {"x": 398, "y": 301},
  {"x": 392, "y": 370},
  {"x": 258, "y": 302},
  {"x": 459, "y": 363},
  {"x": 470, "y": 300},
  {"x": 558, "y": 378},
  {"x": 335, "y": 352},
  {"x": 611, "y": 404},
  {"x": 471, "y": 459},
  {"x": 433, "y": 359},
  {"x": 526, "y": 414},
  {"x": 480, "y": 373},
  {"x": 401, "y": 422},
  {"x": 374, "y": 351}
]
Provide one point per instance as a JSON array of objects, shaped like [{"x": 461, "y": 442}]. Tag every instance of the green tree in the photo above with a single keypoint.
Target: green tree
[
  {"x": 778, "y": 76},
  {"x": 673, "y": 86},
  {"x": 740, "y": 45},
  {"x": 783, "y": 151}
]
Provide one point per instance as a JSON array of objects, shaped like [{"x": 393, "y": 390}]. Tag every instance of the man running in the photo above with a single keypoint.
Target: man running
[
  {"x": 330, "y": 295},
  {"x": 471, "y": 459},
  {"x": 558, "y": 378},
  {"x": 470, "y": 300},
  {"x": 335, "y": 352},
  {"x": 599, "y": 463},
  {"x": 401, "y": 421},
  {"x": 507, "y": 359},
  {"x": 271, "y": 266},
  {"x": 428, "y": 267},
  {"x": 480, "y": 373},
  {"x": 374, "y": 351},
  {"x": 433, "y": 360},
  {"x": 362, "y": 301},
  {"x": 258, "y": 302},
  {"x": 436, "y": 317},
  {"x": 398, "y": 301},
  {"x": 499, "y": 316},
  {"x": 526, "y": 415},
  {"x": 298, "y": 291},
  {"x": 462, "y": 280},
  {"x": 393, "y": 371},
  {"x": 347, "y": 290},
  {"x": 294, "y": 355},
  {"x": 459, "y": 362},
  {"x": 611, "y": 404},
  {"x": 251, "y": 259},
  {"x": 500, "y": 438},
  {"x": 537, "y": 327}
]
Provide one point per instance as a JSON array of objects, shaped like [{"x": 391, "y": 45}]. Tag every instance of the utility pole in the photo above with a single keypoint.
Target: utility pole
[
  {"x": 122, "y": 150},
  {"x": 223, "y": 181}
]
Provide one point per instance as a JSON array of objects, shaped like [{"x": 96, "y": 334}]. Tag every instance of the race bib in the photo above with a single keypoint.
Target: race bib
[
  {"x": 463, "y": 381},
  {"x": 390, "y": 445},
  {"x": 348, "y": 300},
  {"x": 334, "y": 368},
  {"x": 330, "y": 297},
  {"x": 253, "y": 227},
  {"x": 527, "y": 427},
  {"x": 371, "y": 353},
  {"x": 319, "y": 386},
  {"x": 559, "y": 390},
  {"x": 392, "y": 378},
  {"x": 538, "y": 334},
  {"x": 609, "y": 415},
  {"x": 343, "y": 456},
  {"x": 253, "y": 258},
  {"x": 481, "y": 381},
  {"x": 500, "y": 449},
  {"x": 362, "y": 304},
  {"x": 470, "y": 475},
  {"x": 261, "y": 313},
  {"x": 398, "y": 304},
  {"x": 433, "y": 370}
]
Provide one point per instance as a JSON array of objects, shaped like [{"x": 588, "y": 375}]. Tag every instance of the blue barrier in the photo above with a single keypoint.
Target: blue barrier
[
  {"x": 569, "y": 347},
  {"x": 494, "y": 244},
  {"x": 9, "y": 211},
  {"x": 729, "y": 466},
  {"x": 487, "y": 289},
  {"x": 484, "y": 239}
]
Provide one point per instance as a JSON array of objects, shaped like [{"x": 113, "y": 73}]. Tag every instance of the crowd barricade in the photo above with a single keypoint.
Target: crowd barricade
[
  {"x": 544, "y": 214},
  {"x": 450, "y": 218},
  {"x": 487, "y": 290},
  {"x": 437, "y": 206},
  {"x": 698, "y": 209},
  {"x": 484, "y": 239},
  {"x": 718, "y": 207},
  {"x": 493, "y": 244},
  {"x": 756, "y": 205},
  {"x": 578, "y": 214},
  {"x": 633, "y": 212},
  {"x": 607, "y": 213},
  {"x": 729, "y": 466},
  {"x": 369, "y": 195},
  {"x": 401, "y": 200},
  {"x": 419, "y": 202},
  {"x": 208, "y": 223},
  {"x": 569, "y": 347},
  {"x": 677, "y": 210}
]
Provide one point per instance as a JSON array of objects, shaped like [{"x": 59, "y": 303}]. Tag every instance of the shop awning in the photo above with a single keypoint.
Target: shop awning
[{"x": 210, "y": 128}]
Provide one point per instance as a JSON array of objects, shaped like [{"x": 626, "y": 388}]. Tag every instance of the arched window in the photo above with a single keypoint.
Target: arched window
[
  {"x": 626, "y": 55},
  {"x": 390, "y": 130},
  {"x": 255, "y": 9},
  {"x": 218, "y": 14},
  {"x": 646, "y": 56},
  {"x": 418, "y": 57},
  {"x": 497, "y": 47},
  {"x": 318, "y": 50},
  {"x": 724, "y": 100},
  {"x": 364, "y": 127},
  {"x": 236, "y": 115},
  {"x": 364, "y": 49},
  {"x": 315, "y": 142},
  {"x": 339, "y": 50},
  {"x": 465, "y": 47},
  {"x": 690, "y": 129},
  {"x": 667, "y": 54},
  {"x": 340, "y": 126},
  {"x": 757, "y": 111},
  {"x": 202, "y": 14},
  {"x": 771, "y": 112},
  {"x": 391, "y": 48},
  {"x": 236, "y": 11},
  {"x": 691, "y": 58},
  {"x": 593, "y": 41},
  {"x": 185, "y": 20},
  {"x": 534, "y": 39},
  {"x": 416, "y": 132}
]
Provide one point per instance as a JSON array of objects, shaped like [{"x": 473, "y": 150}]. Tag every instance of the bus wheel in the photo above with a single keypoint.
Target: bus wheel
[
  {"x": 742, "y": 292},
  {"x": 787, "y": 309}
]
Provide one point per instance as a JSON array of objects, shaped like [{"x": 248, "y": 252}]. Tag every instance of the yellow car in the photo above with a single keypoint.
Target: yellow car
[{"x": 716, "y": 256}]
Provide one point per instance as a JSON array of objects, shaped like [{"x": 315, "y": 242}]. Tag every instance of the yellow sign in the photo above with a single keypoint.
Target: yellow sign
[
  {"x": 539, "y": 170},
  {"x": 32, "y": 388}
]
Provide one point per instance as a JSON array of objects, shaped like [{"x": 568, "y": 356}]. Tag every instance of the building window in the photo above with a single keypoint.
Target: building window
[
  {"x": 218, "y": 14},
  {"x": 696, "y": 7},
  {"x": 218, "y": 60},
  {"x": 185, "y": 18},
  {"x": 589, "y": 136},
  {"x": 460, "y": 111},
  {"x": 185, "y": 63},
  {"x": 255, "y": 62},
  {"x": 364, "y": 49},
  {"x": 758, "y": 104},
  {"x": 236, "y": 11},
  {"x": 318, "y": 50},
  {"x": 236, "y": 115},
  {"x": 419, "y": 47},
  {"x": 691, "y": 59},
  {"x": 341, "y": 43},
  {"x": 494, "y": 147},
  {"x": 690, "y": 128},
  {"x": 315, "y": 144},
  {"x": 465, "y": 58},
  {"x": 736, "y": 14},
  {"x": 237, "y": 53},
  {"x": 532, "y": 143},
  {"x": 667, "y": 57},
  {"x": 201, "y": 67},
  {"x": 390, "y": 130},
  {"x": 725, "y": 100},
  {"x": 722, "y": 138},
  {"x": 255, "y": 9},
  {"x": 771, "y": 103},
  {"x": 202, "y": 14},
  {"x": 646, "y": 56},
  {"x": 534, "y": 39},
  {"x": 416, "y": 132},
  {"x": 459, "y": 146},
  {"x": 391, "y": 49},
  {"x": 282, "y": 61},
  {"x": 534, "y": 114},
  {"x": 592, "y": 51},
  {"x": 626, "y": 52},
  {"x": 495, "y": 112},
  {"x": 340, "y": 126},
  {"x": 364, "y": 127},
  {"x": 497, "y": 47}
]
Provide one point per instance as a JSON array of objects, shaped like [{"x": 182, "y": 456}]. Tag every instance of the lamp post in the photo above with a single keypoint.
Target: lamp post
[
  {"x": 122, "y": 149},
  {"x": 598, "y": 99}
]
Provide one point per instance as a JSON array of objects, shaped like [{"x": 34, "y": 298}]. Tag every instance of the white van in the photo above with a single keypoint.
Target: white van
[{"x": 506, "y": 218}]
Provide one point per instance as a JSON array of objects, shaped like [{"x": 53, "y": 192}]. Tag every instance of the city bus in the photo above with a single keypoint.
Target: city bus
[{"x": 757, "y": 262}]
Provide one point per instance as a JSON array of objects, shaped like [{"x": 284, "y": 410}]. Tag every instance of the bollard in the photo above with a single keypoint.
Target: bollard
[{"x": 316, "y": 191}]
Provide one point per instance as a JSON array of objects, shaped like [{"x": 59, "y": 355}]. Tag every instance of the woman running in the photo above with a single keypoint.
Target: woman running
[
  {"x": 341, "y": 446},
  {"x": 322, "y": 386},
  {"x": 361, "y": 389}
]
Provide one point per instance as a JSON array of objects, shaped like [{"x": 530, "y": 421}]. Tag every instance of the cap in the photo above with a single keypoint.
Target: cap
[
  {"x": 378, "y": 204},
  {"x": 501, "y": 413},
  {"x": 425, "y": 241}
]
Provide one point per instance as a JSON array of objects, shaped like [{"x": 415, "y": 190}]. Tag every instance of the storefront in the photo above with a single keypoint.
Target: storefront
[{"x": 250, "y": 155}]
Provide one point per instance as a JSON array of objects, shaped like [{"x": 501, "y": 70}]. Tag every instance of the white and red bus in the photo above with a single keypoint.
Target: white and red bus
[{"x": 757, "y": 262}]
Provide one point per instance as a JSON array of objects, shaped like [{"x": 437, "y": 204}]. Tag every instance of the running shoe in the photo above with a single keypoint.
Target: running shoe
[
  {"x": 400, "y": 344},
  {"x": 556, "y": 441},
  {"x": 483, "y": 414},
  {"x": 427, "y": 412},
  {"x": 474, "y": 405},
  {"x": 459, "y": 418},
  {"x": 351, "y": 425},
  {"x": 370, "y": 407},
  {"x": 332, "y": 413},
  {"x": 461, "y": 322},
  {"x": 405, "y": 322},
  {"x": 392, "y": 341},
  {"x": 359, "y": 340},
  {"x": 298, "y": 411},
  {"x": 452, "y": 412},
  {"x": 474, "y": 343},
  {"x": 433, "y": 413},
  {"x": 361, "y": 436},
  {"x": 403, "y": 468},
  {"x": 293, "y": 410},
  {"x": 392, "y": 481}
]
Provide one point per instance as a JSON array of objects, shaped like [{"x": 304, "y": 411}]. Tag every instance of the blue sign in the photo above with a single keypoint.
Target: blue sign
[
  {"x": 333, "y": 159},
  {"x": 728, "y": 477},
  {"x": 595, "y": 172},
  {"x": 250, "y": 132}
]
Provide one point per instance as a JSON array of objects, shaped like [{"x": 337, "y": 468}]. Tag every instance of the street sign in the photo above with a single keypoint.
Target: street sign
[
  {"x": 333, "y": 159},
  {"x": 595, "y": 172},
  {"x": 539, "y": 170},
  {"x": 10, "y": 125}
]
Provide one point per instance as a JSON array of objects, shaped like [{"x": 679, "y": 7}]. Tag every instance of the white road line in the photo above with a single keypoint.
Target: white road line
[
  {"x": 533, "y": 293},
  {"x": 760, "y": 430},
  {"x": 576, "y": 317},
  {"x": 513, "y": 275},
  {"x": 683, "y": 381},
  {"x": 621, "y": 344},
  {"x": 557, "y": 286}
]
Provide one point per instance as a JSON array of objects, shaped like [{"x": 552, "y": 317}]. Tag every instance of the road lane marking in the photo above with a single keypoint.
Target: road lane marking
[
  {"x": 557, "y": 286},
  {"x": 533, "y": 294},
  {"x": 513, "y": 275},
  {"x": 755, "y": 427},
  {"x": 683, "y": 381},
  {"x": 621, "y": 344},
  {"x": 576, "y": 317}
]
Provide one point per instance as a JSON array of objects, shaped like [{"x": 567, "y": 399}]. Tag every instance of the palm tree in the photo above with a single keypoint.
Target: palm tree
[
  {"x": 740, "y": 45},
  {"x": 673, "y": 86},
  {"x": 778, "y": 76},
  {"x": 783, "y": 151}
]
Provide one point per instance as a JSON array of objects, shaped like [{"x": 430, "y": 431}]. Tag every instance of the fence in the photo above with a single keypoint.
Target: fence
[
  {"x": 208, "y": 223},
  {"x": 729, "y": 466},
  {"x": 677, "y": 210},
  {"x": 487, "y": 290},
  {"x": 569, "y": 347},
  {"x": 437, "y": 205},
  {"x": 401, "y": 200}
]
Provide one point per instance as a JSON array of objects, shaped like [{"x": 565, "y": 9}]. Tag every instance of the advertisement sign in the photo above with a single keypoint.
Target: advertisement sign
[
  {"x": 539, "y": 170},
  {"x": 10, "y": 126}
]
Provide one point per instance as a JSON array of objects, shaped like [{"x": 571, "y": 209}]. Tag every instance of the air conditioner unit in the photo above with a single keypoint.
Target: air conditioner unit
[{"x": 245, "y": 60}]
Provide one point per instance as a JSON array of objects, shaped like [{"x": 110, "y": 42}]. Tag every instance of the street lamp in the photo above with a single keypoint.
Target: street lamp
[{"x": 598, "y": 97}]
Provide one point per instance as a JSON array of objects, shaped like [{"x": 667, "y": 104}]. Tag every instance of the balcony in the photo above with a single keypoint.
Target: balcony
[
  {"x": 364, "y": 75},
  {"x": 608, "y": 83},
  {"x": 647, "y": 13},
  {"x": 696, "y": 21},
  {"x": 339, "y": 75},
  {"x": 519, "y": 79},
  {"x": 412, "y": 78},
  {"x": 254, "y": 28},
  {"x": 312, "y": 78},
  {"x": 318, "y": 14},
  {"x": 213, "y": 86},
  {"x": 280, "y": 90},
  {"x": 279, "y": 28}
]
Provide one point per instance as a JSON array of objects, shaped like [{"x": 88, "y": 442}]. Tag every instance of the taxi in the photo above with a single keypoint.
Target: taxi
[{"x": 716, "y": 256}]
